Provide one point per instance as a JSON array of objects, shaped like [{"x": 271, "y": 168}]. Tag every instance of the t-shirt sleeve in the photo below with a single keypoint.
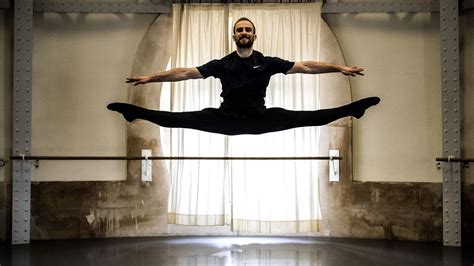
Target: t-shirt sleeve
[
  {"x": 278, "y": 65},
  {"x": 212, "y": 68}
]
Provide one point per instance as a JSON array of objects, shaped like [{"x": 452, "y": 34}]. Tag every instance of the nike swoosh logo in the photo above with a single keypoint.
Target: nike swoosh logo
[{"x": 256, "y": 67}]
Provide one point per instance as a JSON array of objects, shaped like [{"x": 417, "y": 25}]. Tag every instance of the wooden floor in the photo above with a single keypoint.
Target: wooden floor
[{"x": 232, "y": 251}]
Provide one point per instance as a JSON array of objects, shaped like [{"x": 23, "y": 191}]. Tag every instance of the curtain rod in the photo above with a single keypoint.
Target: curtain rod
[{"x": 243, "y": 1}]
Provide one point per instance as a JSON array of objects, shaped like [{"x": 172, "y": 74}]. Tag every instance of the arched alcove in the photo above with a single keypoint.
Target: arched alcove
[{"x": 153, "y": 55}]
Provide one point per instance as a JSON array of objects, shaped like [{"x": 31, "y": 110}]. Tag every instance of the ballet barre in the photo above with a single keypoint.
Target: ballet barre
[
  {"x": 455, "y": 160},
  {"x": 139, "y": 158}
]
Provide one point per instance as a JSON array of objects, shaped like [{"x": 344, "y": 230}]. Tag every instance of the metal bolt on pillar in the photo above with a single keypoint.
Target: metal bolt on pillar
[
  {"x": 451, "y": 112},
  {"x": 22, "y": 65}
]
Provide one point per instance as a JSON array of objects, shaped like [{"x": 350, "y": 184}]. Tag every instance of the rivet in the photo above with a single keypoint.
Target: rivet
[
  {"x": 456, "y": 211},
  {"x": 457, "y": 221},
  {"x": 446, "y": 180},
  {"x": 447, "y": 231},
  {"x": 446, "y": 201},
  {"x": 447, "y": 191}
]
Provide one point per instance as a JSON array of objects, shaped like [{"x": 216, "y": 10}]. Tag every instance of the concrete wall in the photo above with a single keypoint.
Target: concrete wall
[
  {"x": 80, "y": 62},
  {"x": 5, "y": 111},
  {"x": 467, "y": 81},
  {"x": 401, "y": 55}
]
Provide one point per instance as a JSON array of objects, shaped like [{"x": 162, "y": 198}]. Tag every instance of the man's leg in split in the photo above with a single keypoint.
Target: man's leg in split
[
  {"x": 325, "y": 116},
  {"x": 277, "y": 119},
  {"x": 209, "y": 119},
  {"x": 272, "y": 120}
]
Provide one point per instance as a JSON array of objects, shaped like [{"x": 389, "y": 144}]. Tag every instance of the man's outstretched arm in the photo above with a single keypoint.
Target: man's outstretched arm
[
  {"x": 175, "y": 74},
  {"x": 314, "y": 67}
]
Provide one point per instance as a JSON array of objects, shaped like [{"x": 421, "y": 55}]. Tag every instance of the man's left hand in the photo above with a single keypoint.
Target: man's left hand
[{"x": 352, "y": 71}]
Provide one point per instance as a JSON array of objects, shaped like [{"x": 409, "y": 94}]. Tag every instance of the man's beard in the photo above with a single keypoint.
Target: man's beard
[{"x": 244, "y": 45}]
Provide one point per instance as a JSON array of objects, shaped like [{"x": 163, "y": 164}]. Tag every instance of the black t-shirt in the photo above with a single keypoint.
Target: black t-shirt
[{"x": 244, "y": 80}]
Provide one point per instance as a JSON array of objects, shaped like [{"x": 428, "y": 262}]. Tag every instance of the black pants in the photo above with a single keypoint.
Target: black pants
[{"x": 218, "y": 121}]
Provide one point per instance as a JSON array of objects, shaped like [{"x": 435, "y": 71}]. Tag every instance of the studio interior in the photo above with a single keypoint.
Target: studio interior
[{"x": 240, "y": 132}]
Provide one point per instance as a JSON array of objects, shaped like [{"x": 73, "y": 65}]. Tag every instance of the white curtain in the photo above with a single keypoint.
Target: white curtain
[
  {"x": 280, "y": 196},
  {"x": 258, "y": 196},
  {"x": 199, "y": 189}
]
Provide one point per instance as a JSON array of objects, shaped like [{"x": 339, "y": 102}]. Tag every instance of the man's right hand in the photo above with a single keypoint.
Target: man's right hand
[{"x": 139, "y": 80}]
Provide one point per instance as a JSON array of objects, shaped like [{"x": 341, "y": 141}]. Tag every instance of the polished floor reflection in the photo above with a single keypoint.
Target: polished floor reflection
[{"x": 233, "y": 251}]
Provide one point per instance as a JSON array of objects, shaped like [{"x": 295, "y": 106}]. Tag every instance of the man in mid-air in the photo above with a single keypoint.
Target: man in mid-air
[{"x": 244, "y": 74}]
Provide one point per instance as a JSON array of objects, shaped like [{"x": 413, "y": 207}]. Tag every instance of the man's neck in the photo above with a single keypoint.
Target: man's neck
[{"x": 244, "y": 52}]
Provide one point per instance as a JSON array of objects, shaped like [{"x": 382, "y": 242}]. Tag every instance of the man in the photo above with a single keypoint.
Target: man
[{"x": 244, "y": 74}]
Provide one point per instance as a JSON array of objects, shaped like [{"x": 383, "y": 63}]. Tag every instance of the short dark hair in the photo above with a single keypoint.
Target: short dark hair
[{"x": 246, "y": 19}]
